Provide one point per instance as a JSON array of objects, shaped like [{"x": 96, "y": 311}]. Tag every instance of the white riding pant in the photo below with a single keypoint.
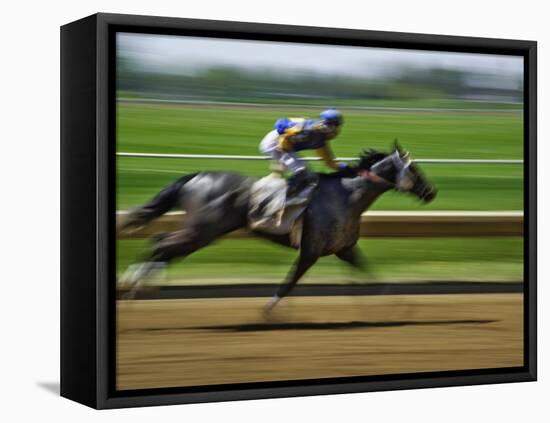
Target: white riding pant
[{"x": 289, "y": 160}]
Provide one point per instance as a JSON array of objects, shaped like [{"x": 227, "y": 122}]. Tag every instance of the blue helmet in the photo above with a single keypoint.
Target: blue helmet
[
  {"x": 332, "y": 117},
  {"x": 283, "y": 124}
]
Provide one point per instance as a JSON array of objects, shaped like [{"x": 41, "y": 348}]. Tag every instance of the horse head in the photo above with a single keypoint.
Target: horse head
[{"x": 398, "y": 169}]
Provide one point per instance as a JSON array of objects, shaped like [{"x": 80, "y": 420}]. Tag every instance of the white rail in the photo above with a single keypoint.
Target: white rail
[
  {"x": 242, "y": 157},
  {"x": 311, "y": 106}
]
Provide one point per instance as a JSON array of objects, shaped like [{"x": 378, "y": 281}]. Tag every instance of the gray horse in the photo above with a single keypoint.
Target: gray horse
[{"x": 217, "y": 203}]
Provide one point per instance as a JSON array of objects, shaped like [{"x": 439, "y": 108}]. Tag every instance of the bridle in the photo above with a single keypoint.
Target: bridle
[{"x": 404, "y": 178}]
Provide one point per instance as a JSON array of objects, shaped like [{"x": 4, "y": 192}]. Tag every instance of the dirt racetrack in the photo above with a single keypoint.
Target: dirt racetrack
[{"x": 187, "y": 342}]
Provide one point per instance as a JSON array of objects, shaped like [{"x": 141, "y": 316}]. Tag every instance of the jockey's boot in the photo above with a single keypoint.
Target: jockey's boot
[{"x": 296, "y": 184}]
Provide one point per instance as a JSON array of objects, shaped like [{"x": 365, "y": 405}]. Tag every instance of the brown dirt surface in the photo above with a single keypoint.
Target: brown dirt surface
[{"x": 189, "y": 342}]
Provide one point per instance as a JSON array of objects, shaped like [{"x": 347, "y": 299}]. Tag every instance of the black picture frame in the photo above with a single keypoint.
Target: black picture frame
[{"x": 88, "y": 207}]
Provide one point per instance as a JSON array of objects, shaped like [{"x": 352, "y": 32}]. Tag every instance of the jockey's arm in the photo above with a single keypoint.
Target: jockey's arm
[
  {"x": 285, "y": 139},
  {"x": 327, "y": 155}
]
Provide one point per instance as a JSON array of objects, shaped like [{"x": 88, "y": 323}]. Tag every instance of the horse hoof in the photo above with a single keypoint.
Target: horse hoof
[
  {"x": 128, "y": 295},
  {"x": 268, "y": 308}
]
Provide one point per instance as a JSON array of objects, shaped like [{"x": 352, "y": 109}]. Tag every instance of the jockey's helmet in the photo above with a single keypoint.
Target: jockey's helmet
[
  {"x": 283, "y": 124},
  {"x": 332, "y": 117}
]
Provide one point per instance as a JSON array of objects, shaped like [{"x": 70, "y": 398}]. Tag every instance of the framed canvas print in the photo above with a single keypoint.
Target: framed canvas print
[{"x": 258, "y": 211}]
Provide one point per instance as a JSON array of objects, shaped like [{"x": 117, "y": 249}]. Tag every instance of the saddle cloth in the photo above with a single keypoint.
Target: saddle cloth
[{"x": 270, "y": 212}]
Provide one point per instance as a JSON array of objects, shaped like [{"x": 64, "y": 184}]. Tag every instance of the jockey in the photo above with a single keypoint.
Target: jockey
[{"x": 296, "y": 134}]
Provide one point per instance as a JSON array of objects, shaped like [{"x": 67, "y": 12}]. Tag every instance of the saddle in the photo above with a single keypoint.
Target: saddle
[{"x": 271, "y": 211}]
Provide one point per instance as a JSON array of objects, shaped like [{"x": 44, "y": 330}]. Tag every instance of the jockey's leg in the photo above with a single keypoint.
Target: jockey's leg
[
  {"x": 287, "y": 161},
  {"x": 296, "y": 183},
  {"x": 268, "y": 147},
  {"x": 277, "y": 169},
  {"x": 301, "y": 177}
]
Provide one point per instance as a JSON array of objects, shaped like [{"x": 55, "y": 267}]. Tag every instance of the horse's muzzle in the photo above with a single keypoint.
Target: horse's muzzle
[{"x": 428, "y": 195}]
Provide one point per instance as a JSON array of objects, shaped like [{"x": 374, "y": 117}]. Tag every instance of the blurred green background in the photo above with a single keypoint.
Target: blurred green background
[
  {"x": 235, "y": 129},
  {"x": 179, "y": 94}
]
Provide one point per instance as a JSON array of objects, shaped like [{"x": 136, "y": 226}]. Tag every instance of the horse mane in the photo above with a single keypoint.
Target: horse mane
[{"x": 367, "y": 159}]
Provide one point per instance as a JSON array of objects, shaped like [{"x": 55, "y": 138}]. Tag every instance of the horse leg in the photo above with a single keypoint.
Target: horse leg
[
  {"x": 170, "y": 246},
  {"x": 304, "y": 262},
  {"x": 356, "y": 259},
  {"x": 136, "y": 273},
  {"x": 182, "y": 243},
  {"x": 353, "y": 257}
]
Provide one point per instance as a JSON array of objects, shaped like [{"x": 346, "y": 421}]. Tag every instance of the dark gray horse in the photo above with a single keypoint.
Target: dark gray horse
[{"x": 217, "y": 203}]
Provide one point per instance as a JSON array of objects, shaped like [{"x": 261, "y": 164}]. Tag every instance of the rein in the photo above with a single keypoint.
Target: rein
[
  {"x": 401, "y": 169},
  {"x": 373, "y": 177}
]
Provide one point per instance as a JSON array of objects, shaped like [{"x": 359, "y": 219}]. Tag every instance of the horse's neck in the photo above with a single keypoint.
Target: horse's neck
[
  {"x": 373, "y": 190},
  {"x": 365, "y": 194}
]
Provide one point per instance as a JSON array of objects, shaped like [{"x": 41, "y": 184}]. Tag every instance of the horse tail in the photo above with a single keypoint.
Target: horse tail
[{"x": 161, "y": 203}]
